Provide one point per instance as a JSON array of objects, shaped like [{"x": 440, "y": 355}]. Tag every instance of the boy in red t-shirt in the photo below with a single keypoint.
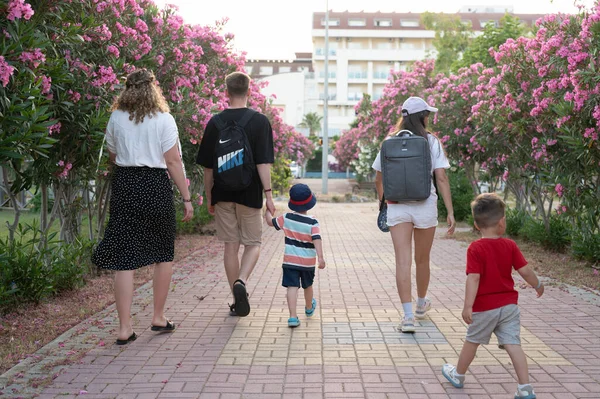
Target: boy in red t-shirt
[{"x": 490, "y": 298}]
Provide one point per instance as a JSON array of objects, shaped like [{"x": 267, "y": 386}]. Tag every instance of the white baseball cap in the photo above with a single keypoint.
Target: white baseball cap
[{"x": 416, "y": 104}]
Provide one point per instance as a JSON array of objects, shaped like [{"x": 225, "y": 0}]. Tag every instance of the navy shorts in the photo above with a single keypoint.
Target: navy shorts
[{"x": 292, "y": 277}]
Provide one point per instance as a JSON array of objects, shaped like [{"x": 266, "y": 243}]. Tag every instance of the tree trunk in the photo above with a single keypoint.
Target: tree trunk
[
  {"x": 13, "y": 199},
  {"x": 44, "y": 209},
  {"x": 88, "y": 205}
]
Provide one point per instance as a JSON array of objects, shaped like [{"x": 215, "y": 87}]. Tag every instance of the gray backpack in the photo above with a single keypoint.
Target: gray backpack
[{"x": 406, "y": 167}]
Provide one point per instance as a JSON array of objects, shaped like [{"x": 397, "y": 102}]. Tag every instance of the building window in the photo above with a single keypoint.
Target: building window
[
  {"x": 384, "y": 45},
  {"x": 355, "y": 45},
  {"x": 467, "y": 22},
  {"x": 285, "y": 69},
  {"x": 356, "y": 72},
  {"x": 357, "y": 22},
  {"x": 408, "y": 45},
  {"x": 383, "y": 22},
  {"x": 248, "y": 69},
  {"x": 332, "y": 22},
  {"x": 410, "y": 23},
  {"x": 484, "y": 23},
  {"x": 265, "y": 70}
]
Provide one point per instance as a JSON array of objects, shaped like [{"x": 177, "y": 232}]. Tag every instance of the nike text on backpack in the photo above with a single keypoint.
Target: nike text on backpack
[
  {"x": 406, "y": 167},
  {"x": 234, "y": 167}
]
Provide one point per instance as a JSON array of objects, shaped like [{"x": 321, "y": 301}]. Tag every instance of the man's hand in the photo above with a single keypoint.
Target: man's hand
[
  {"x": 211, "y": 210},
  {"x": 270, "y": 206},
  {"x": 467, "y": 315},
  {"x": 321, "y": 263}
]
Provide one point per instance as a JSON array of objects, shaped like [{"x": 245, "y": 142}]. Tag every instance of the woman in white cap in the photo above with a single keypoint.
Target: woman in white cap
[{"x": 416, "y": 219}]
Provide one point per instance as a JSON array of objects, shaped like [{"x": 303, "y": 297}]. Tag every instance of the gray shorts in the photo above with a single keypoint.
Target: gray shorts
[{"x": 505, "y": 322}]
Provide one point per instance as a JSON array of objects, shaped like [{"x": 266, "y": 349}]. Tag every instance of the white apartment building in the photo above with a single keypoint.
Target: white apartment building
[
  {"x": 292, "y": 83},
  {"x": 365, "y": 47}
]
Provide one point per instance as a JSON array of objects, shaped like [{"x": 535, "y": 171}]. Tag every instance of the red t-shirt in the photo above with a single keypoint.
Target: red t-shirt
[{"x": 493, "y": 259}]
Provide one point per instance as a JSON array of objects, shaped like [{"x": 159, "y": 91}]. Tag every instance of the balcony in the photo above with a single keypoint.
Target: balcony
[
  {"x": 321, "y": 52},
  {"x": 330, "y": 97},
  {"x": 355, "y": 96},
  {"x": 354, "y": 75},
  {"x": 381, "y": 75},
  {"x": 331, "y": 75}
]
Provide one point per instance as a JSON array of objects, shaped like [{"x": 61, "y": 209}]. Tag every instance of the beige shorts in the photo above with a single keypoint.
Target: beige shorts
[{"x": 238, "y": 223}]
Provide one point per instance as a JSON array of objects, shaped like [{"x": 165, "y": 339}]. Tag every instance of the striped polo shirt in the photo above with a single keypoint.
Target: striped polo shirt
[{"x": 300, "y": 232}]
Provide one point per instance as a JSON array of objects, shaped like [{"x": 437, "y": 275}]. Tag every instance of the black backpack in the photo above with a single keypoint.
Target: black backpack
[
  {"x": 406, "y": 167},
  {"x": 233, "y": 165}
]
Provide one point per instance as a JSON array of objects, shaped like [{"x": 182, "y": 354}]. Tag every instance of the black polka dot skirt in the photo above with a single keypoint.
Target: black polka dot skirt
[{"x": 141, "y": 223}]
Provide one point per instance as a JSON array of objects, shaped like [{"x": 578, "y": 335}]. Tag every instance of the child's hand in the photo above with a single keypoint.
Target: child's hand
[
  {"x": 540, "y": 291},
  {"x": 467, "y": 315},
  {"x": 321, "y": 263}
]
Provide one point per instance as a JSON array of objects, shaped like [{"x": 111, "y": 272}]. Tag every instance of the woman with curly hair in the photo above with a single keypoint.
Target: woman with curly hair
[{"x": 143, "y": 143}]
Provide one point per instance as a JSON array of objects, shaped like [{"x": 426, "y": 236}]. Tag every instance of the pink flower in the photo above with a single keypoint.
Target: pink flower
[
  {"x": 46, "y": 84},
  {"x": 34, "y": 58},
  {"x": 5, "y": 71},
  {"x": 187, "y": 181},
  {"x": 55, "y": 129},
  {"x": 75, "y": 96},
  {"x": 200, "y": 200},
  {"x": 113, "y": 50},
  {"x": 559, "y": 189},
  {"x": 18, "y": 9}
]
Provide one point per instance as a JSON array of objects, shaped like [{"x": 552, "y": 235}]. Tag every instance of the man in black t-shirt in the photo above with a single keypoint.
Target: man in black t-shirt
[{"x": 238, "y": 213}]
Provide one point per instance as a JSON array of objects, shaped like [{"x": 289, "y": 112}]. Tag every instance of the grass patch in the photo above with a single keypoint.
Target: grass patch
[{"x": 28, "y": 217}]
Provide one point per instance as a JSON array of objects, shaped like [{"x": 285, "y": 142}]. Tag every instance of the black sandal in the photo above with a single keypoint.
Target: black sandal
[
  {"x": 242, "y": 306},
  {"x": 131, "y": 338},
  {"x": 232, "y": 310},
  {"x": 168, "y": 328}
]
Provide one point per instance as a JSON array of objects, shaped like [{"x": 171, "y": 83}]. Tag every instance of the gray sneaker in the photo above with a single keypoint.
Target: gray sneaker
[
  {"x": 449, "y": 371},
  {"x": 421, "y": 310},
  {"x": 407, "y": 325},
  {"x": 525, "y": 393}
]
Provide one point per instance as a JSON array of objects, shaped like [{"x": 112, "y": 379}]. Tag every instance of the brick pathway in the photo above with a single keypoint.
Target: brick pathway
[{"x": 349, "y": 349}]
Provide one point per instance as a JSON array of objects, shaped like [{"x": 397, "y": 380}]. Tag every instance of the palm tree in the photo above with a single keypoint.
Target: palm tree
[{"x": 312, "y": 121}]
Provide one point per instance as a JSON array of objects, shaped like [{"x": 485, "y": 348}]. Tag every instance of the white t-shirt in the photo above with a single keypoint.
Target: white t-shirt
[
  {"x": 438, "y": 158},
  {"x": 142, "y": 144}
]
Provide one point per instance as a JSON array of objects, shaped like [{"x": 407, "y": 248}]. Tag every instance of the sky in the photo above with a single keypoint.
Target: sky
[{"x": 276, "y": 29}]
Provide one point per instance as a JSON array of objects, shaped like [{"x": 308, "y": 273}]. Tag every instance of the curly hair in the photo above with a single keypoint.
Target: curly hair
[{"x": 142, "y": 96}]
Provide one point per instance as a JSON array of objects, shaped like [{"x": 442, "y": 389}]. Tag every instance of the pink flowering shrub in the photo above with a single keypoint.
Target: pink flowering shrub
[
  {"x": 73, "y": 82},
  {"x": 532, "y": 122}
]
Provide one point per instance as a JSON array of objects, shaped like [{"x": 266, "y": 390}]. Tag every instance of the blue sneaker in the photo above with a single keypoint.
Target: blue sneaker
[
  {"x": 525, "y": 393},
  {"x": 449, "y": 371},
  {"x": 311, "y": 311},
  {"x": 293, "y": 322}
]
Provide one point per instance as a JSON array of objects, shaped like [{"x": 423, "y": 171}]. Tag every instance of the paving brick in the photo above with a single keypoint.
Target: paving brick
[{"x": 350, "y": 348}]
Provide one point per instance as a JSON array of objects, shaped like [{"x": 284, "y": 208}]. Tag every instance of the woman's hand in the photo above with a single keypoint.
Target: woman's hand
[
  {"x": 451, "y": 224},
  {"x": 188, "y": 212}
]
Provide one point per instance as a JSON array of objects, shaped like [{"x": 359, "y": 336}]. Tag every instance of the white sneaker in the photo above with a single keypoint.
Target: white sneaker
[
  {"x": 421, "y": 310},
  {"x": 407, "y": 325},
  {"x": 525, "y": 393},
  {"x": 449, "y": 371}
]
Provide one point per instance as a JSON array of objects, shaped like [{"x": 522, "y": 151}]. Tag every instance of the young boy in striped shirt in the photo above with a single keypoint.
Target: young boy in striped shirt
[{"x": 302, "y": 247}]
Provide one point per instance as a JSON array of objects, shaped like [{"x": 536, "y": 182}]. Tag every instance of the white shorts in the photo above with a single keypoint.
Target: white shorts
[{"x": 422, "y": 214}]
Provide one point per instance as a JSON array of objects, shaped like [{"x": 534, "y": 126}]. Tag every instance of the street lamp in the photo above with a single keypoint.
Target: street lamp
[{"x": 325, "y": 148}]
